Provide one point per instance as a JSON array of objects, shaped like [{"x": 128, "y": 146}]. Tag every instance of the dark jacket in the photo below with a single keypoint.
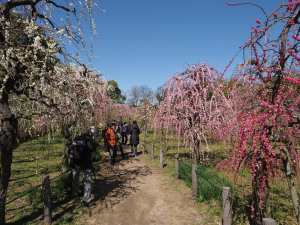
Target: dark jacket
[
  {"x": 85, "y": 161},
  {"x": 134, "y": 134}
]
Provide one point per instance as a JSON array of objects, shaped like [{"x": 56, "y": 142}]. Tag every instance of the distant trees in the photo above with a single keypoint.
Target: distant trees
[
  {"x": 159, "y": 93},
  {"x": 115, "y": 92},
  {"x": 140, "y": 95}
]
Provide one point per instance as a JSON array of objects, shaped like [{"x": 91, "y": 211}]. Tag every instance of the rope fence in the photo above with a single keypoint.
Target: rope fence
[
  {"x": 209, "y": 182},
  {"x": 34, "y": 188},
  {"x": 203, "y": 177},
  {"x": 46, "y": 196}
]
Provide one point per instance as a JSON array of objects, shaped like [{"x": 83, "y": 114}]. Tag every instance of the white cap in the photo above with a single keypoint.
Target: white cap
[{"x": 92, "y": 129}]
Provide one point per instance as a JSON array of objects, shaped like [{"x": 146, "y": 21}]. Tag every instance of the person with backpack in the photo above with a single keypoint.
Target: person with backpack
[
  {"x": 80, "y": 154},
  {"x": 124, "y": 133},
  {"x": 134, "y": 137},
  {"x": 119, "y": 141},
  {"x": 111, "y": 139}
]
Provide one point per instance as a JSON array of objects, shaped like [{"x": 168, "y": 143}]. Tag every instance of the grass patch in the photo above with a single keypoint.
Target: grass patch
[
  {"x": 31, "y": 161},
  {"x": 210, "y": 183}
]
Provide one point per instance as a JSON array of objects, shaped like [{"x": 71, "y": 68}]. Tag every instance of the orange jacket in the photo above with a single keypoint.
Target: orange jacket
[{"x": 110, "y": 136}]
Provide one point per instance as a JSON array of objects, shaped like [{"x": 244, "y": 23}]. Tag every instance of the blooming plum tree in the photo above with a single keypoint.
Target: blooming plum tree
[
  {"x": 120, "y": 112},
  {"x": 192, "y": 104},
  {"x": 269, "y": 121}
]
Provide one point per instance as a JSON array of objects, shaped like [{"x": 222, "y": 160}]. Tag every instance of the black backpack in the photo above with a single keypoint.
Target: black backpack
[{"x": 76, "y": 148}]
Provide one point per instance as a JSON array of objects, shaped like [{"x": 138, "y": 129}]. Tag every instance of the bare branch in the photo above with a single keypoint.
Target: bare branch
[{"x": 60, "y": 6}]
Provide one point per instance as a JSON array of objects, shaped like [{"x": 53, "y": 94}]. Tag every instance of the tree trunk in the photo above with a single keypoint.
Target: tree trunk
[
  {"x": 8, "y": 142},
  {"x": 145, "y": 132},
  {"x": 261, "y": 201},
  {"x": 178, "y": 142},
  {"x": 196, "y": 150},
  {"x": 65, "y": 132},
  {"x": 291, "y": 182}
]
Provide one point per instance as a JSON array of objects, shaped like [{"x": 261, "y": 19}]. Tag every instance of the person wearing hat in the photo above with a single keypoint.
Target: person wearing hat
[
  {"x": 85, "y": 145},
  {"x": 92, "y": 131},
  {"x": 119, "y": 146},
  {"x": 111, "y": 139}
]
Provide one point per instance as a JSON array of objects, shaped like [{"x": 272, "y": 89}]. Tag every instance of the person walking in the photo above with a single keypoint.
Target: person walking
[
  {"x": 105, "y": 143},
  {"x": 124, "y": 133},
  {"x": 129, "y": 127},
  {"x": 119, "y": 141},
  {"x": 111, "y": 139},
  {"x": 80, "y": 153},
  {"x": 134, "y": 137}
]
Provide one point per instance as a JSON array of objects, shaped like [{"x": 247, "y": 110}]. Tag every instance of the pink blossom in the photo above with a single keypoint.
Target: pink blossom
[{"x": 292, "y": 80}]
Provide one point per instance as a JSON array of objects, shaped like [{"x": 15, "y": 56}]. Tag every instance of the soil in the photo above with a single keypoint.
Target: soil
[{"x": 133, "y": 192}]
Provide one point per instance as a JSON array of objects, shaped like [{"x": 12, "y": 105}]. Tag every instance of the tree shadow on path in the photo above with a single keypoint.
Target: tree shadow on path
[{"x": 118, "y": 182}]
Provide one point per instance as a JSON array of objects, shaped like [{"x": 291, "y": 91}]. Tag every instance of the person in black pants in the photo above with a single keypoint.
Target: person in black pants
[
  {"x": 124, "y": 133},
  {"x": 134, "y": 137},
  {"x": 119, "y": 146},
  {"x": 83, "y": 146}
]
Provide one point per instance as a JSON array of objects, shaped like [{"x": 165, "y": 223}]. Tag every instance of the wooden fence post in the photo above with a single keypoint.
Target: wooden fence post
[
  {"x": 152, "y": 151},
  {"x": 226, "y": 206},
  {"x": 145, "y": 135},
  {"x": 161, "y": 160},
  {"x": 47, "y": 200},
  {"x": 144, "y": 146},
  {"x": 269, "y": 221},
  {"x": 194, "y": 181},
  {"x": 177, "y": 166}
]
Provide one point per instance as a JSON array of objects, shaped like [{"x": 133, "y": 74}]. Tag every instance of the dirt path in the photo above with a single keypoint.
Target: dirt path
[{"x": 131, "y": 192}]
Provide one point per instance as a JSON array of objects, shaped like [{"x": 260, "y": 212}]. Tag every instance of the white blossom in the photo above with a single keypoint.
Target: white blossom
[{"x": 37, "y": 42}]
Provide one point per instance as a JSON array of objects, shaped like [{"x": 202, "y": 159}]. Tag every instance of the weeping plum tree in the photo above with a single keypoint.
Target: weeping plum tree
[
  {"x": 191, "y": 104},
  {"x": 269, "y": 122},
  {"x": 120, "y": 112},
  {"x": 123, "y": 111},
  {"x": 87, "y": 99},
  {"x": 38, "y": 82}
]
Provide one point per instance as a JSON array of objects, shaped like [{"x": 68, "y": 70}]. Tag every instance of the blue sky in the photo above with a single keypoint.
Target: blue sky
[{"x": 144, "y": 42}]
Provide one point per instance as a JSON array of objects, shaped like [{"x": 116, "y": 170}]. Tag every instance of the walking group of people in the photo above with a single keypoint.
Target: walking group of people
[
  {"x": 116, "y": 135},
  {"x": 80, "y": 149}
]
